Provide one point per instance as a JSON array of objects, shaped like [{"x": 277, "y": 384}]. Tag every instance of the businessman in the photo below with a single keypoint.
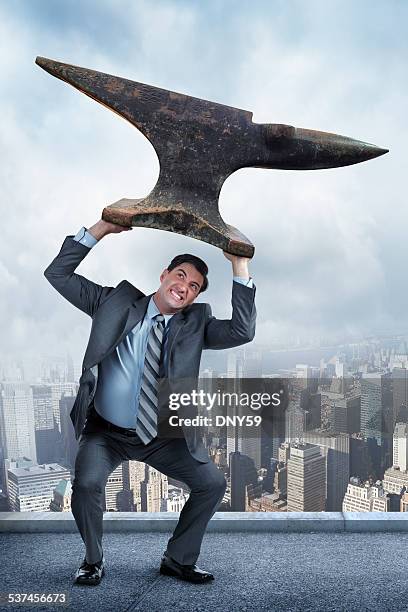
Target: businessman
[{"x": 136, "y": 340}]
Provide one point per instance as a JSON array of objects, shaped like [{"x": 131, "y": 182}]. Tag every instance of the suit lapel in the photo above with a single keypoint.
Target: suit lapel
[
  {"x": 134, "y": 314},
  {"x": 131, "y": 316},
  {"x": 176, "y": 323}
]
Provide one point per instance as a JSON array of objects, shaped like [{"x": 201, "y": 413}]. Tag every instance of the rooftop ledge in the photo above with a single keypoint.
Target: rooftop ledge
[{"x": 222, "y": 522}]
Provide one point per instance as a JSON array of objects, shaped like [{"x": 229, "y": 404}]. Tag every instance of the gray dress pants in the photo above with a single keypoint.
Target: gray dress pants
[{"x": 101, "y": 451}]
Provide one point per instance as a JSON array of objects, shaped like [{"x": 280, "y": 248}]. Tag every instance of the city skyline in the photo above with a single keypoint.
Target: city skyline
[{"x": 340, "y": 442}]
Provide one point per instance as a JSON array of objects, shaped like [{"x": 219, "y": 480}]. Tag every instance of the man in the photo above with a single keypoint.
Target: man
[{"x": 135, "y": 340}]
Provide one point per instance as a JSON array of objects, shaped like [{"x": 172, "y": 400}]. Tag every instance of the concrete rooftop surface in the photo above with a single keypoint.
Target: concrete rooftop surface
[{"x": 303, "y": 566}]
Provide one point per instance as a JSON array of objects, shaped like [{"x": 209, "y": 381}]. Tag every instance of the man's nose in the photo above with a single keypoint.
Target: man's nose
[{"x": 182, "y": 287}]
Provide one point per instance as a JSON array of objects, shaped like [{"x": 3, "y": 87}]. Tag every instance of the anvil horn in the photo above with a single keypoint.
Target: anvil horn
[{"x": 199, "y": 144}]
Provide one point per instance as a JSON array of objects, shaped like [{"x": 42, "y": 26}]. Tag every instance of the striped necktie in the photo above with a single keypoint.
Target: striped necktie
[{"x": 146, "y": 424}]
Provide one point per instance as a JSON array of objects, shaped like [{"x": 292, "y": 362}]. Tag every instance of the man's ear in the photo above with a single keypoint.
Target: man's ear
[{"x": 163, "y": 275}]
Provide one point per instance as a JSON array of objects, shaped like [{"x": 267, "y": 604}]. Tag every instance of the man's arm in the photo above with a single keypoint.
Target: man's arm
[
  {"x": 78, "y": 290},
  {"x": 240, "y": 329}
]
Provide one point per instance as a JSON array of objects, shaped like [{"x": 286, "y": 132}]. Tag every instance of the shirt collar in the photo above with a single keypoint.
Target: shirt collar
[{"x": 152, "y": 311}]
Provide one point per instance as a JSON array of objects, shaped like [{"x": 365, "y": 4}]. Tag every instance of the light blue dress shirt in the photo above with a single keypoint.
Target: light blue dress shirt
[{"x": 120, "y": 373}]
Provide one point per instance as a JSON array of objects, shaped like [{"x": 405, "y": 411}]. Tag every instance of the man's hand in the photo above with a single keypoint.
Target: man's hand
[
  {"x": 103, "y": 228},
  {"x": 239, "y": 265}
]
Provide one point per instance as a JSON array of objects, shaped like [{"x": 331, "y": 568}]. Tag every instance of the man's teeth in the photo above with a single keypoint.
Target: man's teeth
[{"x": 176, "y": 295}]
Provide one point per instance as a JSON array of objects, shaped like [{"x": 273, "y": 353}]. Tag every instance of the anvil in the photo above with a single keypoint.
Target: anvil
[{"x": 199, "y": 145}]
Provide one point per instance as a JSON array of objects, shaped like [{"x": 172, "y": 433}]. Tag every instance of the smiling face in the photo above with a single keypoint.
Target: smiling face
[{"x": 178, "y": 289}]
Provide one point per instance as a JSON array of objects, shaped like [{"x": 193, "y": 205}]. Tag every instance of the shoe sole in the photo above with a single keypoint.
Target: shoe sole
[
  {"x": 167, "y": 571},
  {"x": 88, "y": 581}
]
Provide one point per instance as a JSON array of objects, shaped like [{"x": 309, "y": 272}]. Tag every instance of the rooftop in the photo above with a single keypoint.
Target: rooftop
[
  {"x": 38, "y": 470},
  {"x": 261, "y": 561}
]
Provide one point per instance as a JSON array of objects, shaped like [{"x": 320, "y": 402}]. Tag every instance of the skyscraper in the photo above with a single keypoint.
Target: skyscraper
[
  {"x": 400, "y": 394},
  {"x": 336, "y": 449},
  {"x": 243, "y": 474},
  {"x": 400, "y": 446},
  {"x": 153, "y": 489},
  {"x": 376, "y": 418},
  {"x": 304, "y": 375},
  {"x": 280, "y": 481},
  {"x": 294, "y": 420},
  {"x": 306, "y": 478},
  {"x": 395, "y": 479},
  {"x": 58, "y": 390},
  {"x": 47, "y": 437},
  {"x": 310, "y": 404},
  {"x": 17, "y": 421},
  {"x": 134, "y": 473},
  {"x": 113, "y": 490},
  {"x": 375, "y": 405},
  {"x": 69, "y": 445},
  {"x": 242, "y": 438}
]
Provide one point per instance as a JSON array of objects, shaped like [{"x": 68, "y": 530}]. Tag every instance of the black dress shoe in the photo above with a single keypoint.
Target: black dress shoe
[
  {"x": 90, "y": 573},
  {"x": 190, "y": 573}
]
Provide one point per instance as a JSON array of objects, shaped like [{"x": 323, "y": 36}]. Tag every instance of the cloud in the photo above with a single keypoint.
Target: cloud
[{"x": 330, "y": 245}]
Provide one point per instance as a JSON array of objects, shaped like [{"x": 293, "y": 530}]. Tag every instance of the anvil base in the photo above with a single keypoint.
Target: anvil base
[{"x": 180, "y": 219}]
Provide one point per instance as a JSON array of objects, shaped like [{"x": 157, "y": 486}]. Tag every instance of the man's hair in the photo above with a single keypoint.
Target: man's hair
[{"x": 198, "y": 263}]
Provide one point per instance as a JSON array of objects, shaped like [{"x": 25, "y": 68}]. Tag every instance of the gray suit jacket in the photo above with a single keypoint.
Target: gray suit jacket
[{"x": 116, "y": 310}]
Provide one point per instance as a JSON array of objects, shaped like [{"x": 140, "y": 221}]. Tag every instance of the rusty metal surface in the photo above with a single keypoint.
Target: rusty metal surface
[{"x": 199, "y": 144}]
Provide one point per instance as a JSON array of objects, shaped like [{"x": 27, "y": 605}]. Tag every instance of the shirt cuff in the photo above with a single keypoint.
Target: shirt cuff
[
  {"x": 85, "y": 238},
  {"x": 243, "y": 281}
]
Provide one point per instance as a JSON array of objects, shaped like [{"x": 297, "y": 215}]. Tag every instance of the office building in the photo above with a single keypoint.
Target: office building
[
  {"x": 267, "y": 502},
  {"x": 7, "y": 464},
  {"x": 376, "y": 405},
  {"x": 284, "y": 452},
  {"x": 244, "y": 439},
  {"x": 69, "y": 445},
  {"x": 175, "y": 501},
  {"x": 133, "y": 473},
  {"x": 362, "y": 497},
  {"x": 396, "y": 477},
  {"x": 242, "y": 474},
  {"x": 310, "y": 404},
  {"x": 17, "y": 435},
  {"x": 395, "y": 480},
  {"x": 336, "y": 449},
  {"x": 400, "y": 446},
  {"x": 153, "y": 489},
  {"x": 306, "y": 478},
  {"x": 400, "y": 394},
  {"x": 32, "y": 488},
  {"x": 376, "y": 419},
  {"x": 113, "y": 490},
  {"x": 47, "y": 435},
  {"x": 294, "y": 420},
  {"x": 280, "y": 480}
]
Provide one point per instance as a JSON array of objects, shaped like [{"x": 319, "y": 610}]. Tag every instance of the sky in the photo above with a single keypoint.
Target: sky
[{"x": 331, "y": 245}]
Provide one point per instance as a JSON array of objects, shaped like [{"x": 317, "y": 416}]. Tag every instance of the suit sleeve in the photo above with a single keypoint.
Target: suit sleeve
[
  {"x": 240, "y": 329},
  {"x": 78, "y": 290}
]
